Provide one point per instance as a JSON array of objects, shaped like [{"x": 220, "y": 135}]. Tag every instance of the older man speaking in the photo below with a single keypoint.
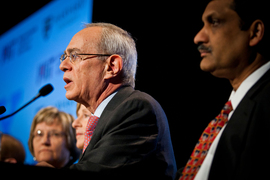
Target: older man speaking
[{"x": 128, "y": 133}]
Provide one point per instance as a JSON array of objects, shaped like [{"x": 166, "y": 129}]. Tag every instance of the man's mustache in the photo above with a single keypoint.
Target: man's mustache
[{"x": 204, "y": 48}]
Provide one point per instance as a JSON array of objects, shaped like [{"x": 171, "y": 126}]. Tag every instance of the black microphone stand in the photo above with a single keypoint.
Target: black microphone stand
[
  {"x": 2, "y": 118},
  {"x": 42, "y": 92}
]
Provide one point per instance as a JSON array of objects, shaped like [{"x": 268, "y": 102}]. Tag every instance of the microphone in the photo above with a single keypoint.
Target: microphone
[
  {"x": 2, "y": 109},
  {"x": 45, "y": 90}
]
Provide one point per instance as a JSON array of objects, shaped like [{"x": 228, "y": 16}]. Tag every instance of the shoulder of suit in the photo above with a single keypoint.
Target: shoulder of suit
[
  {"x": 261, "y": 94},
  {"x": 127, "y": 96},
  {"x": 139, "y": 95}
]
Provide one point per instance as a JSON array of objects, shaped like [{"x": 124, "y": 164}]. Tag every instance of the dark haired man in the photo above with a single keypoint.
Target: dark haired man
[{"x": 232, "y": 46}]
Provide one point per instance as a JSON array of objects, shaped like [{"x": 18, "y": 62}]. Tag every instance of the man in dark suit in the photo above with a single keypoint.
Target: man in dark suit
[
  {"x": 233, "y": 45},
  {"x": 131, "y": 138}
]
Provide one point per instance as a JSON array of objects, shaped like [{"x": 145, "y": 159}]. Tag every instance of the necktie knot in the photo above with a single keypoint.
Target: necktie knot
[{"x": 227, "y": 108}]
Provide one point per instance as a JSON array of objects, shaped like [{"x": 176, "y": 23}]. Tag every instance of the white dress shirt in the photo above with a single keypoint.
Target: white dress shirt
[
  {"x": 235, "y": 98},
  {"x": 103, "y": 104}
]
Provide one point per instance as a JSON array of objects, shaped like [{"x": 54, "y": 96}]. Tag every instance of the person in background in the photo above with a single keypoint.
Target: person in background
[
  {"x": 234, "y": 44},
  {"x": 52, "y": 139},
  {"x": 11, "y": 149},
  {"x": 80, "y": 124}
]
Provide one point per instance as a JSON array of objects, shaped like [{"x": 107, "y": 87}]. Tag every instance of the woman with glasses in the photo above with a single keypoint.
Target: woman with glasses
[{"x": 52, "y": 138}]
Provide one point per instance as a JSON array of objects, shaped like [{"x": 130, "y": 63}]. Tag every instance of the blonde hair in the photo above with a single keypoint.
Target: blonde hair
[
  {"x": 78, "y": 108},
  {"x": 50, "y": 115}
]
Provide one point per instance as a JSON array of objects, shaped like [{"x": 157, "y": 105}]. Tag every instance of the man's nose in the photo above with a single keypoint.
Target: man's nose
[
  {"x": 65, "y": 65},
  {"x": 201, "y": 36}
]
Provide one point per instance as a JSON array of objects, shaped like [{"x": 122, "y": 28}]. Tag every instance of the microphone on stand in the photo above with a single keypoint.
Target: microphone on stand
[
  {"x": 45, "y": 90},
  {"x": 2, "y": 109}
]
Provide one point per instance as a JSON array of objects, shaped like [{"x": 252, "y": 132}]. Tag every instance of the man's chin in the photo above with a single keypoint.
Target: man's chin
[
  {"x": 69, "y": 96},
  {"x": 207, "y": 65}
]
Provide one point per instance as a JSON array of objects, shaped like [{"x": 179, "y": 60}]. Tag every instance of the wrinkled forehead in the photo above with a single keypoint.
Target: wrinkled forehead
[{"x": 85, "y": 41}]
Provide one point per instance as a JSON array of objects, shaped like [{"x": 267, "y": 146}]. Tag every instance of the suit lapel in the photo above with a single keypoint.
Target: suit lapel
[
  {"x": 120, "y": 96},
  {"x": 233, "y": 137},
  {"x": 232, "y": 141},
  {"x": 240, "y": 118}
]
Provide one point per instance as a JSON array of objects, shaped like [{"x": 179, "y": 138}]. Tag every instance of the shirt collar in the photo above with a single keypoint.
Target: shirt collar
[
  {"x": 103, "y": 104},
  {"x": 237, "y": 96}
]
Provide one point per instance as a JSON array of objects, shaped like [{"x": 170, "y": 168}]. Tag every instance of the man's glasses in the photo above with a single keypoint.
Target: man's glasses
[{"x": 75, "y": 56}]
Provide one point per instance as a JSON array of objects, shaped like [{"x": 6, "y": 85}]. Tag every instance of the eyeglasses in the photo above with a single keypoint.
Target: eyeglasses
[
  {"x": 75, "y": 56},
  {"x": 39, "y": 134}
]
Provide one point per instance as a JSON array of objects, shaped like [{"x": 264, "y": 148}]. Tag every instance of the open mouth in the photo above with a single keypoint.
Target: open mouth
[{"x": 68, "y": 81}]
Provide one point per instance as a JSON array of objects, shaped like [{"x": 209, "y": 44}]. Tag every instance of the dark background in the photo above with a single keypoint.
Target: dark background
[{"x": 168, "y": 61}]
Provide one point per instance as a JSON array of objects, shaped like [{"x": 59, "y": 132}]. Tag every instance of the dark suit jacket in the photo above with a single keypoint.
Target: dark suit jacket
[
  {"x": 242, "y": 152},
  {"x": 131, "y": 139}
]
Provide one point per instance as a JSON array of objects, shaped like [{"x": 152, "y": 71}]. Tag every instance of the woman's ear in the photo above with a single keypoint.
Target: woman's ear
[
  {"x": 114, "y": 65},
  {"x": 256, "y": 32}
]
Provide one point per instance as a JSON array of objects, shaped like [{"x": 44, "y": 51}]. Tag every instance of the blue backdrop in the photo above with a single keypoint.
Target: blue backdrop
[{"x": 29, "y": 59}]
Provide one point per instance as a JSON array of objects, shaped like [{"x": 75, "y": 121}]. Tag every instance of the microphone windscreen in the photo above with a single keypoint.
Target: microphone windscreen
[
  {"x": 45, "y": 90},
  {"x": 2, "y": 109}
]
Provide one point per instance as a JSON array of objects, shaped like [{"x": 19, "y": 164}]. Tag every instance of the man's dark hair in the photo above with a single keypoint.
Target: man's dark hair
[{"x": 249, "y": 11}]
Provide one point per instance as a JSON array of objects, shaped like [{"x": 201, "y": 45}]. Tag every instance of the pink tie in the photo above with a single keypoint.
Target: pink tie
[{"x": 91, "y": 125}]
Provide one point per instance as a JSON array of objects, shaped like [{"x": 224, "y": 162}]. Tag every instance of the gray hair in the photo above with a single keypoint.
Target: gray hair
[{"x": 115, "y": 40}]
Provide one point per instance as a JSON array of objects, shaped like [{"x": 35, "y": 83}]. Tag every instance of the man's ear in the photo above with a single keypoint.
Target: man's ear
[
  {"x": 256, "y": 32},
  {"x": 114, "y": 65}
]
